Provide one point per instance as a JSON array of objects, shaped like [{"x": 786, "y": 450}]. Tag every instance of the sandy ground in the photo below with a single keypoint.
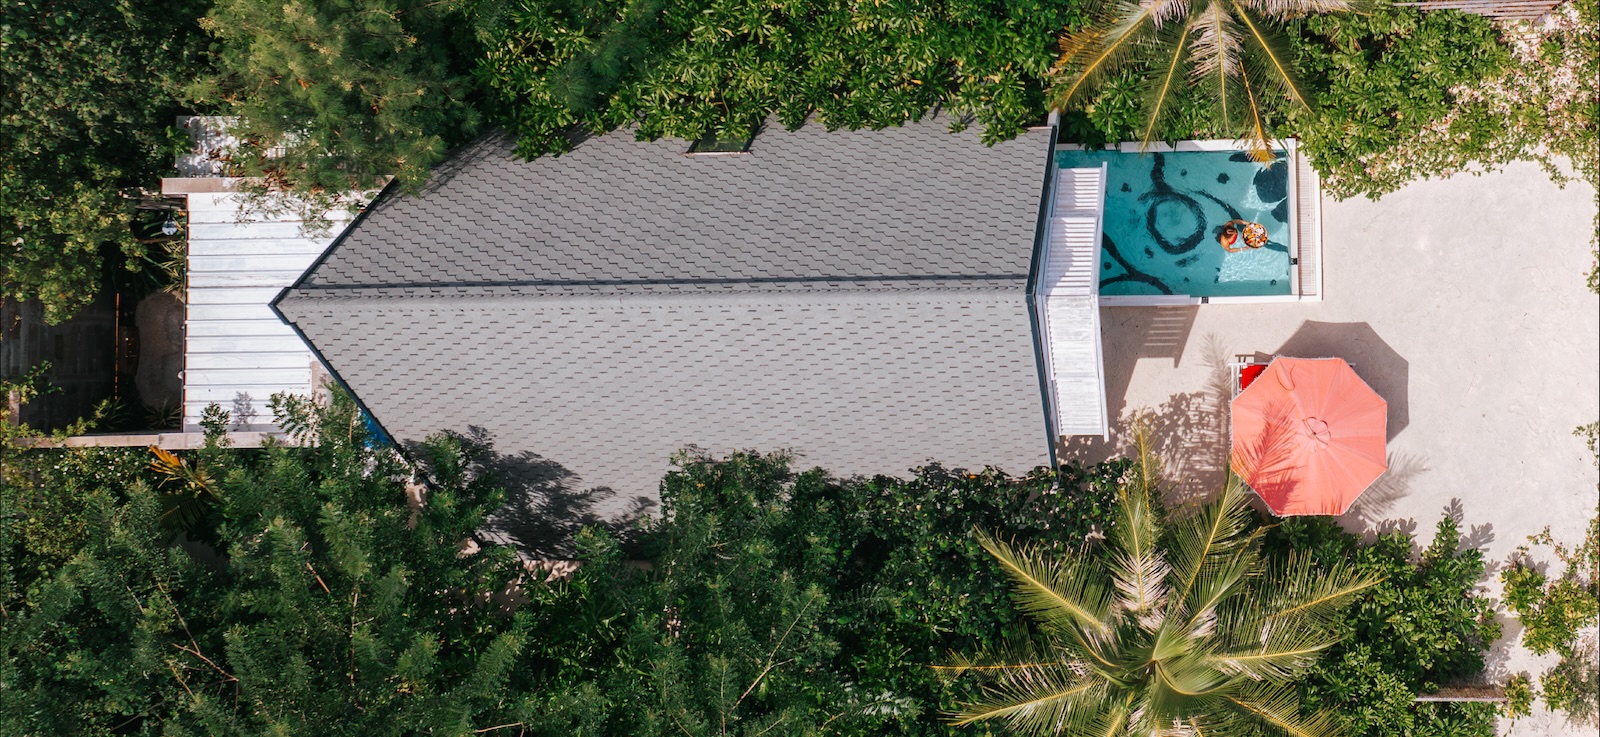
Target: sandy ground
[{"x": 1462, "y": 303}]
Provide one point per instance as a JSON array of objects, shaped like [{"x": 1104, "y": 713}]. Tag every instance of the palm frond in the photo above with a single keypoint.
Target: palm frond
[
  {"x": 1060, "y": 594},
  {"x": 1163, "y": 87},
  {"x": 1138, "y": 569},
  {"x": 1224, "y": 581},
  {"x": 1038, "y": 702},
  {"x": 1022, "y": 651},
  {"x": 1108, "y": 723},
  {"x": 1140, "y": 581},
  {"x": 1314, "y": 595},
  {"x": 1215, "y": 51},
  {"x": 1162, "y": 11},
  {"x": 1285, "y": 653},
  {"x": 1291, "y": 9},
  {"x": 1088, "y": 55},
  {"x": 1268, "y": 46},
  {"x": 1205, "y": 541},
  {"x": 1257, "y": 139},
  {"x": 1178, "y": 684},
  {"x": 1279, "y": 708}
]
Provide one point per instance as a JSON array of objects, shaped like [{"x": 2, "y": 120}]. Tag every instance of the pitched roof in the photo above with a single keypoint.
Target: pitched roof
[
  {"x": 910, "y": 206},
  {"x": 857, "y": 297}
]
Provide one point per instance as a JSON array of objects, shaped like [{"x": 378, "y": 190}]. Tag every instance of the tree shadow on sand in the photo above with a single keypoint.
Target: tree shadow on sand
[
  {"x": 1188, "y": 432},
  {"x": 546, "y": 505}
]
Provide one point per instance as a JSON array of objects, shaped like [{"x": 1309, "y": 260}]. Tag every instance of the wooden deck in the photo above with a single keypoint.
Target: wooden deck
[{"x": 1308, "y": 226}]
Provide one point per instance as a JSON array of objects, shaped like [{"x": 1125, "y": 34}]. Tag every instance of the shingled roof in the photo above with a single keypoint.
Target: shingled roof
[{"x": 857, "y": 297}]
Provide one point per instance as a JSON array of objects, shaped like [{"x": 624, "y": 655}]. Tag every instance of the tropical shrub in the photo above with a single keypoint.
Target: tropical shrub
[
  {"x": 87, "y": 109},
  {"x": 1417, "y": 95},
  {"x": 1426, "y": 625},
  {"x": 1561, "y": 616},
  {"x": 1381, "y": 79},
  {"x": 303, "y": 583},
  {"x": 793, "y": 602},
  {"x": 1405, "y": 95},
  {"x": 721, "y": 68}
]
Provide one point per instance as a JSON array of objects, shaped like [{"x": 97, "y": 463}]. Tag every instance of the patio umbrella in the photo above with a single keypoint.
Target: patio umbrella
[{"x": 1308, "y": 436}]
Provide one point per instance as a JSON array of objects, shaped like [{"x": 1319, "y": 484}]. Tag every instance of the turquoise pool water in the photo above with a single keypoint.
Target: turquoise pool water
[{"x": 1164, "y": 212}]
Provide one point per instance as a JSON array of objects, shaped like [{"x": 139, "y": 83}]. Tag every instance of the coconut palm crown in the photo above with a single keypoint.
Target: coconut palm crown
[
  {"x": 1228, "y": 46},
  {"x": 1167, "y": 629}
]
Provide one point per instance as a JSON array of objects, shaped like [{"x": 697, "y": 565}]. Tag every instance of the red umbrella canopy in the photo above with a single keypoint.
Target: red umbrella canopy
[{"x": 1308, "y": 436}]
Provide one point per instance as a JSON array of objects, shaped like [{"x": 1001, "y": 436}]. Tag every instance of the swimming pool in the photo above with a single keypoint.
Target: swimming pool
[{"x": 1164, "y": 211}]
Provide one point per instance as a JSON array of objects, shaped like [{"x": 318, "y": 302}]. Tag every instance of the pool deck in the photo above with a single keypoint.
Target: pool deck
[{"x": 1487, "y": 358}]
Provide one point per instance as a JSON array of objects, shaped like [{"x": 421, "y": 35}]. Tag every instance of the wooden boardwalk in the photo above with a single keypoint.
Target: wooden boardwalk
[
  {"x": 1497, "y": 9},
  {"x": 1069, "y": 292}
]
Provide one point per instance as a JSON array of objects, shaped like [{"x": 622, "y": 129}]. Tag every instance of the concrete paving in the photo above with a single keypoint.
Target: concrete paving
[{"x": 1461, "y": 302}]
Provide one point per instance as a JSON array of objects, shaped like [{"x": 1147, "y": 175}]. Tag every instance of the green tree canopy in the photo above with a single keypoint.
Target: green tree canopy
[
  {"x": 88, "y": 93},
  {"x": 336, "y": 96},
  {"x": 1231, "y": 48},
  {"x": 307, "y": 598}
]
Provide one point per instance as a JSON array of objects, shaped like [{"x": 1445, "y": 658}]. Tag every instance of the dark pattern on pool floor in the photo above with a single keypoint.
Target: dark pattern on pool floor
[{"x": 1175, "y": 255}]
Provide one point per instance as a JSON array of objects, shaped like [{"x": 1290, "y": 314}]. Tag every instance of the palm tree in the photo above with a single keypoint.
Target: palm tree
[
  {"x": 1172, "y": 628},
  {"x": 1228, "y": 46}
]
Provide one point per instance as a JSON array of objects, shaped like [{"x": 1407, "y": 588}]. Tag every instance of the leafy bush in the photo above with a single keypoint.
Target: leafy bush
[
  {"x": 849, "y": 590},
  {"x": 1562, "y": 616},
  {"x": 1407, "y": 95},
  {"x": 1380, "y": 79},
  {"x": 1425, "y": 626},
  {"x": 323, "y": 603},
  {"x": 304, "y": 591}
]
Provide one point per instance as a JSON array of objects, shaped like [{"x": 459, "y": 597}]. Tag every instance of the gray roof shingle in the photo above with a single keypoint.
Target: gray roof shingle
[
  {"x": 858, "y": 297},
  {"x": 909, "y": 206}
]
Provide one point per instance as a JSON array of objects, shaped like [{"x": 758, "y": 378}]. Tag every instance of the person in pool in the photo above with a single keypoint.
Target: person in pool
[{"x": 1254, "y": 234}]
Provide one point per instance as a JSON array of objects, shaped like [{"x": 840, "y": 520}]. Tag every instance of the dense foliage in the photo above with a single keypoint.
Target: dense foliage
[
  {"x": 1380, "y": 78},
  {"x": 309, "y": 598},
  {"x": 797, "y": 603},
  {"x": 87, "y": 102},
  {"x": 306, "y": 592},
  {"x": 1425, "y": 626},
  {"x": 1405, "y": 95},
  {"x": 1234, "y": 52},
  {"x": 723, "y": 67},
  {"x": 335, "y": 96},
  {"x": 1176, "y": 625}
]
